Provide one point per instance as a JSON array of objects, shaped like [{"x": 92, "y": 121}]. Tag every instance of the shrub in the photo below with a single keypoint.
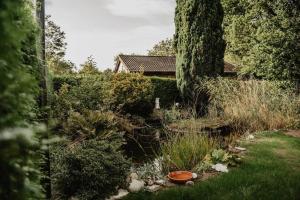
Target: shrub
[
  {"x": 130, "y": 93},
  {"x": 89, "y": 124},
  {"x": 186, "y": 151},
  {"x": 90, "y": 170},
  {"x": 166, "y": 90},
  {"x": 253, "y": 105},
  {"x": 88, "y": 93},
  {"x": 59, "y": 81}
]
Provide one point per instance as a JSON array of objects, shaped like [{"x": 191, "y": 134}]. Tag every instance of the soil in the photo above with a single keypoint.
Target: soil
[{"x": 293, "y": 133}]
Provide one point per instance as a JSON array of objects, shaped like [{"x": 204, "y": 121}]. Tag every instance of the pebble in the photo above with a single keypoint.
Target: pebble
[
  {"x": 134, "y": 176},
  {"x": 220, "y": 168},
  {"x": 194, "y": 175},
  {"x": 240, "y": 148},
  {"x": 160, "y": 182},
  {"x": 190, "y": 183},
  {"x": 250, "y": 137},
  {"x": 136, "y": 186},
  {"x": 153, "y": 188},
  {"x": 121, "y": 194}
]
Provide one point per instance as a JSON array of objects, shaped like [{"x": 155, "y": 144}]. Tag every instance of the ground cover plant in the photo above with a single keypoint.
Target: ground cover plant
[{"x": 270, "y": 170}]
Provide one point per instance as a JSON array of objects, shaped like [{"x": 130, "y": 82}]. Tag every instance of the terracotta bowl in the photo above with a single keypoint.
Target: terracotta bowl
[{"x": 180, "y": 176}]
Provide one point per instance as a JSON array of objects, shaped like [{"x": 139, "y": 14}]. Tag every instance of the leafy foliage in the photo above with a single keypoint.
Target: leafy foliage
[
  {"x": 130, "y": 93},
  {"x": 263, "y": 37},
  {"x": 19, "y": 162},
  {"x": 83, "y": 93},
  {"x": 199, "y": 42},
  {"x": 55, "y": 40},
  {"x": 89, "y": 67},
  {"x": 19, "y": 77},
  {"x": 89, "y": 124},
  {"x": 91, "y": 170},
  {"x": 163, "y": 48}
]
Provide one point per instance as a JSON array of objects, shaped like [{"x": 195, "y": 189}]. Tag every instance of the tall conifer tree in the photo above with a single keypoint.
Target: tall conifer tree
[{"x": 199, "y": 42}]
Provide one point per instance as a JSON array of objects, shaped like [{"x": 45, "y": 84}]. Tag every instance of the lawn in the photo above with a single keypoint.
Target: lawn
[{"x": 270, "y": 170}]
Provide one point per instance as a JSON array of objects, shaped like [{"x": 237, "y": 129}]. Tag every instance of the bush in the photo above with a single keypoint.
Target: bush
[
  {"x": 89, "y": 124},
  {"x": 91, "y": 170},
  {"x": 186, "y": 151},
  {"x": 166, "y": 90},
  {"x": 130, "y": 93},
  {"x": 253, "y": 105},
  {"x": 59, "y": 81},
  {"x": 88, "y": 93}
]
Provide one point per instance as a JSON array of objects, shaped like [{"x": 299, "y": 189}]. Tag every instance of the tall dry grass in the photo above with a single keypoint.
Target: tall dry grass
[{"x": 253, "y": 105}]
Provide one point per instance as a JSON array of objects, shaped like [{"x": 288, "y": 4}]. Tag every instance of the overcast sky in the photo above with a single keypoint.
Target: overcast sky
[{"x": 105, "y": 28}]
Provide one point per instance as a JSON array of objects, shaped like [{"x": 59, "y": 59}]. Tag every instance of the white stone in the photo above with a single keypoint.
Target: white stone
[
  {"x": 134, "y": 176},
  {"x": 160, "y": 182},
  {"x": 250, "y": 137},
  {"x": 121, "y": 194},
  {"x": 153, "y": 188},
  {"x": 190, "y": 183},
  {"x": 136, "y": 186},
  {"x": 194, "y": 175},
  {"x": 150, "y": 182},
  {"x": 220, "y": 168},
  {"x": 240, "y": 148}
]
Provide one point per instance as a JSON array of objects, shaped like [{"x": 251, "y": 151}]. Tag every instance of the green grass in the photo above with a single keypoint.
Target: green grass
[{"x": 270, "y": 170}]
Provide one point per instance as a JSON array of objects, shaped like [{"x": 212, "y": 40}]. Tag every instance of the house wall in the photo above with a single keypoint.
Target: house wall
[{"x": 122, "y": 68}]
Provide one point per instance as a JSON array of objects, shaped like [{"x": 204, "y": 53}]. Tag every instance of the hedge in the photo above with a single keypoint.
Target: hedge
[
  {"x": 58, "y": 81},
  {"x": 166, "y": 90}
]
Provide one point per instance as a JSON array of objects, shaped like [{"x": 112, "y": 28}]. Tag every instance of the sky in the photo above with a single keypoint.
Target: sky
[{"x": 105, "y": 28}]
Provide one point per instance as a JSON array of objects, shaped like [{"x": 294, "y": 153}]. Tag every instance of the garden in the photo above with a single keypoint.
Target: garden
[{"x": 90, "y": 134}]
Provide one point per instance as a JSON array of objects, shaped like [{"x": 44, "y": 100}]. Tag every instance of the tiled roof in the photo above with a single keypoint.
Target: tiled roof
[
  {"x": 136, "y": 63},
  {"x": 149, "y": 63}
]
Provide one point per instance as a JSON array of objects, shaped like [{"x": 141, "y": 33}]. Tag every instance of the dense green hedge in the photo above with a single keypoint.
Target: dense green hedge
[
  {"x": 166, "y": 90},
  {"x": 71, "y": 80}
]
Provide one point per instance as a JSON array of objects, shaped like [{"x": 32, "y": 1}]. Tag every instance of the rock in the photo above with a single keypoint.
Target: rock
[
  {"x": 150, "y": 182},
  {"x": 153, "y": 188},
  {"x": 220, "y": 168},
  {"x": 240, "y": 148},
  {"x": 194, "y": 175},
  {"x": 190, "y": 183},
  {"x": 136, "y": 186},
  {"x": 134, "y": 176},
  {"x": 160, "y": 182},
  {"x": 250, "y": 137},
  {"x": 121, "y": 194}
]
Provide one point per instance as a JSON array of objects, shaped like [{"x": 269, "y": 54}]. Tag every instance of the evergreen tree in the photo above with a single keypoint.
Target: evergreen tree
[
  {"x": 89, "y": 67},
  {"x": 199, "y": 42}
]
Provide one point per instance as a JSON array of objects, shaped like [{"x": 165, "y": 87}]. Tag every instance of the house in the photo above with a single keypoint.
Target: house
[{"x": 156, "y": 65}]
